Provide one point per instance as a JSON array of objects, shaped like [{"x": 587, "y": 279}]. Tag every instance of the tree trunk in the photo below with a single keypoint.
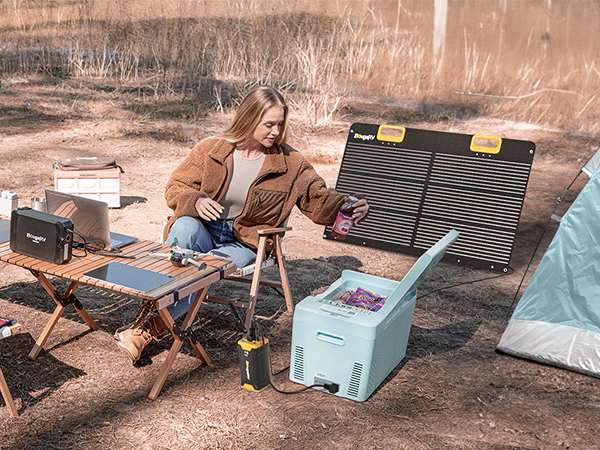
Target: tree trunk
[{"x": 440, "y": 14}]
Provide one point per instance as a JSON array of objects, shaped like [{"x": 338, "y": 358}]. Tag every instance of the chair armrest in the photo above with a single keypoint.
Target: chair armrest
[{"x": 273, "y": 231}]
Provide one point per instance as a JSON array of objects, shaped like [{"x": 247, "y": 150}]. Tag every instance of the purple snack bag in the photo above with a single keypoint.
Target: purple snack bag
[
  {"x": 344, "y": 296},
  {"x": 361, "y": 298}
]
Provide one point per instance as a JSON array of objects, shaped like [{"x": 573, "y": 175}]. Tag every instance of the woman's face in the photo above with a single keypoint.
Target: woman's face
[{"x": 270, "y": 126}]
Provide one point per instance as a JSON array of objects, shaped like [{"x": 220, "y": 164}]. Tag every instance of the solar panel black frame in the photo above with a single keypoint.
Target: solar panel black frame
[{"x": 416, "y": 197}]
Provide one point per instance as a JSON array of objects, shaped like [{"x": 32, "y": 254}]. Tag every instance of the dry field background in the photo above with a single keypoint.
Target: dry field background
[
  {"x": 534, "y": 61},
  {"x": 144, "y": 80}
]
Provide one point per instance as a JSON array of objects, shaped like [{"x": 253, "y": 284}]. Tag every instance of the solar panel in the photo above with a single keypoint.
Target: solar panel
[{"x": 420, "y": 184}]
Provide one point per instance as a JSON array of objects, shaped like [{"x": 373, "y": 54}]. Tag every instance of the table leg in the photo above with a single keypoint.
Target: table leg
[
  {"x": 6, "y": 395},
  {"x": 86, "y": 318},
  {"x": 41, "y": 341},
  {"x": 67, "y": 298},
  {"x": 165, "y": 369},
  {"x": 80, "y": 310},
  {"x": 61, "y": 301},
  {"x": 196, "y": 302},
  {"x": 178, "y": 336},
  {"x": 187, "y": 322}
]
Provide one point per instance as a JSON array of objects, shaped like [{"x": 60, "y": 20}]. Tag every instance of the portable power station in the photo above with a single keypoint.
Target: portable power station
[{"x": 41, "y": 235}]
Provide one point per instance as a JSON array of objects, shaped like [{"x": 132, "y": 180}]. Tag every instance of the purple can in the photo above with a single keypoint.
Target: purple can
[{"x": 343, "y": 221}]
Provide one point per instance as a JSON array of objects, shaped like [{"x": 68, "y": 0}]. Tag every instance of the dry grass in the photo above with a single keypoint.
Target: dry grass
[
  {"x": 526, "y": 61},
  {"x": 453, "y": 391}
]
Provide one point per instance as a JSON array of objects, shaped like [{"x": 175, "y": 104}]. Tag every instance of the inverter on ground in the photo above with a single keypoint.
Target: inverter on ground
[{"x": 356, "y": 348}]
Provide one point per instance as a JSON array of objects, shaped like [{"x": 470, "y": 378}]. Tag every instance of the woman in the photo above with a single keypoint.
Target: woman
[{"x": 232, "y": 186}]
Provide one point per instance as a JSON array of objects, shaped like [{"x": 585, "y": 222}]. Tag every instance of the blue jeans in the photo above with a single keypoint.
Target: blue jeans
[{"x": 195, "y": 234}]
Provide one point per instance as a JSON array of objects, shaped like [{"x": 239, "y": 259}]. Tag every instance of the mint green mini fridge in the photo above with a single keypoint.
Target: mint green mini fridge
[{"x": 352, "y": 347}]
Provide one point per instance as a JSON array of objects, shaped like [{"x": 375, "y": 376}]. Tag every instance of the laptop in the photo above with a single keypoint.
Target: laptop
[{"x": 90, "y": 219}]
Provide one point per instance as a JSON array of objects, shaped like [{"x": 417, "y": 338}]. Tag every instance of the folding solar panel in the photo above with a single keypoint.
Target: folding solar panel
[{"x": 420, "y": 184}]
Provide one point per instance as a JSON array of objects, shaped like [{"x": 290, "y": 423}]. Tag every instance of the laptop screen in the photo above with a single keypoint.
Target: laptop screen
[{"x": 90, "y": 217}]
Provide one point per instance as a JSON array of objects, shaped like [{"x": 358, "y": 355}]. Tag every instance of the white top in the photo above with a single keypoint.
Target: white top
[{"x": 244, "y": 172}]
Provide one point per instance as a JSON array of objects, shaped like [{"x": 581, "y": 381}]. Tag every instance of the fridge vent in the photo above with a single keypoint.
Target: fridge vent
[
  {"x": 299, "y": 363},
  {"x": 354, "y": 385}
]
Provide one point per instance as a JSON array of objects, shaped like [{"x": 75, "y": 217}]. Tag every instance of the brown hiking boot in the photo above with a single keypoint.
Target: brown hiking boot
[{"x": 134, "y": 340}]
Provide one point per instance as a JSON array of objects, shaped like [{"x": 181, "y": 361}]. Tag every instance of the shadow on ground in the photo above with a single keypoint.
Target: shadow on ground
[
  {"x": 406, "y": 111},
  {"x": 32, "y": 381},
  {"x": 20, "y": 120},
  {"x": 424, "y": 342},
  {"x": 127, "y": 200}
]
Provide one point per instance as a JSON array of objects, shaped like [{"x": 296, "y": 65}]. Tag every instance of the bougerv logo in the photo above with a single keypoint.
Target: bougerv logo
[
  {"x": 36, "y": 239},
  {"x": 364, "y": 137}
]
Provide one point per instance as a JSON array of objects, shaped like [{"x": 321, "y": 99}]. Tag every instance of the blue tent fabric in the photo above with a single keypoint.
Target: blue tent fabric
[
  {"x": 557, "y": 321},
  {"x": 592, "y": 165}
]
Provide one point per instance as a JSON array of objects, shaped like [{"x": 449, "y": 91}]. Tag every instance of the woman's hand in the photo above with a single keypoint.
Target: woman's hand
[
  {"x": 208, "y": 209},
  {"x": 360, "y": 210}
]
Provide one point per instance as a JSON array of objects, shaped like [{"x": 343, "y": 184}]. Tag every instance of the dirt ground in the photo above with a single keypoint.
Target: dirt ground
[{"x": 452, "y": 391}]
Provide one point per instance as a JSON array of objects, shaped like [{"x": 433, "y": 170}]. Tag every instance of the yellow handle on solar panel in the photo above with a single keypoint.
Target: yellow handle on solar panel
[
  {"x": 486, "y": 144},
  {"x": 391, "y": 133}
]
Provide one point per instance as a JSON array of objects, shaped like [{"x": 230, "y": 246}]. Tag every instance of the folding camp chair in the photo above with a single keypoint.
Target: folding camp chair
[
  {"x": 268, "y": 254},
  {"x": 10, "y": 404}
]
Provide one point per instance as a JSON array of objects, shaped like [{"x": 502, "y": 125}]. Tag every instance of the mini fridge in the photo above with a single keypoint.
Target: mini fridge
[{"x": 356, "y": 348}]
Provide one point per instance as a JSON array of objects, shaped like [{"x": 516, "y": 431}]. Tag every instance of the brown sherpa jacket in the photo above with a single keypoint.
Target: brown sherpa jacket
[{"x": 285, "y": 179}]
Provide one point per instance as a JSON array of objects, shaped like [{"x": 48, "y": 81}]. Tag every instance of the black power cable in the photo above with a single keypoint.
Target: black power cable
[
  {"x": 305, "y": 388},
  {"x": 525, "y": 273},
  {"x": 279, "y": 372},
  {"x": 443, "y": 288},
  {"x": 96, "y": 247},
  {"x": 331, "y": 387}
]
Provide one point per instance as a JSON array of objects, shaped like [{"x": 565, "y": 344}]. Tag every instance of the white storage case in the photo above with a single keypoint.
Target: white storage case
[
  {"x": 97, "y": 184},
  {"x": 9, "y": 201}
]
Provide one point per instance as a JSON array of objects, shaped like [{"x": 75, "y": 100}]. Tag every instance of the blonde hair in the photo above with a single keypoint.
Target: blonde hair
[{"x": 250, "y": 112}]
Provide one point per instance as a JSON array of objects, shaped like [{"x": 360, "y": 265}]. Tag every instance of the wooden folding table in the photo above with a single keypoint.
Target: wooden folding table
[
  {"x": 8, "y": 400},
  {"x": 189, "y": 280}
]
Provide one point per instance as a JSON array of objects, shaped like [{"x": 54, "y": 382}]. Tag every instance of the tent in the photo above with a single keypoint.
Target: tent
[
  {"x": 592, "y": 165},
  {"x": 557, "y": 321}
]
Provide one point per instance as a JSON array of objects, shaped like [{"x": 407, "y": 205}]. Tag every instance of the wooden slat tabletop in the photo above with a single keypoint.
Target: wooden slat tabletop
[{"x": 76, "y": 268}]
